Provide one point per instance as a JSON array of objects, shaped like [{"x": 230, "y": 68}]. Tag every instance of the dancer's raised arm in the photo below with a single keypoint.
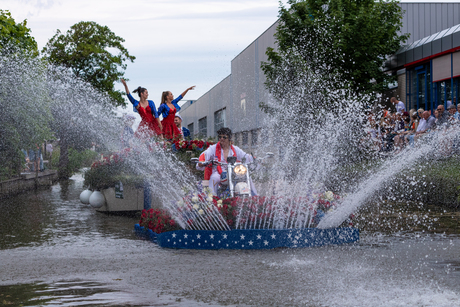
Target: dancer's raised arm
[
  {"x": 146, "y": 108},
  {"x": 130, "y": 97},
  {"x": 125, "y": 85},
  {"x": 185, "y": 92}
]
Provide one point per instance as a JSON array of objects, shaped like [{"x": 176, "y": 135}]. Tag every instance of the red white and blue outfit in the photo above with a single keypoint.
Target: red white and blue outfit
[
  {"x": 149, "y": 126},
  {"x": 215, "y": 152},
  {"x": 170, "y": 130}
]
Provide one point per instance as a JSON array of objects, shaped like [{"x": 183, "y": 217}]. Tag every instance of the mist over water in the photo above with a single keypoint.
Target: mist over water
[{"x": 316, "y": 128}]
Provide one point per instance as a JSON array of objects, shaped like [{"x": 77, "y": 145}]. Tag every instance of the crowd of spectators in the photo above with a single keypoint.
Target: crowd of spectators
[{"x": 392, "y": 131}]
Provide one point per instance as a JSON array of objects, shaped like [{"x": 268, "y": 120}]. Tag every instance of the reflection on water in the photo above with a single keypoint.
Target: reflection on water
[
  {"x": 55, "y": 251},
  {"x": 48, "y": 215},
  {"x": 68, "y": 293}
]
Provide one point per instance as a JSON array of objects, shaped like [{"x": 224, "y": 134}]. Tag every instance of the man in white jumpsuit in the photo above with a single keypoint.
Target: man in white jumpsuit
[{"x": 220, "y": 152}]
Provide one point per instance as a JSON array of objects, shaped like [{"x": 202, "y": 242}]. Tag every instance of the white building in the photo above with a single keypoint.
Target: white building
[{"x": 429, "y": 62}]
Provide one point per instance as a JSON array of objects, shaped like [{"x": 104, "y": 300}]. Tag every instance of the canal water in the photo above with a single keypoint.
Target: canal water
[{"x": 55, "y": 251}]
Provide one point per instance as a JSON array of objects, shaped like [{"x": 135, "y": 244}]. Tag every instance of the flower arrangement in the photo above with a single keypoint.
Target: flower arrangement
[
  {"x": 111, "y": 160},
  {"x": 260, "y": 212},
  {"x": 186, "y": 149},
  {"x": 110, "y": 169},
  {"x": 196, "y": 146},
  {"x": 198, "y": 211},
  {"x": 158, "y": 220},
  {"x": 114, "y": 167}
]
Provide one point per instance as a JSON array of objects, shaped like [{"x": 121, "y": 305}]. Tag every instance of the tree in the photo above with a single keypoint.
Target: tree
[
  {"x": 95, "y": 55},
  {"x": 346, "y": 39},
  {"x": 24, "y": 108},
  {"x": 81, "y": 115},
  {"x": 15, "y": 35},
  {"x": 23, "y": 101},
  {"x": 88, "y": 49}
]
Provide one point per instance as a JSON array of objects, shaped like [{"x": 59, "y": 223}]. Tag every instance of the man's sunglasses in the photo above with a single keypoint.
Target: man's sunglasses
[{"x": 223, "y": 137}]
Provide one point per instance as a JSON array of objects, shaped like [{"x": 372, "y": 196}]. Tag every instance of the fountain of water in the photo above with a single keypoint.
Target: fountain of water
[{"x": 318, "y": 128}]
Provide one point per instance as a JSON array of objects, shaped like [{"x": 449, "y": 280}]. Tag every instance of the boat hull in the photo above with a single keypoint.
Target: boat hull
[
  {"x": 250, "y": 238},
  {"x": 133, "y": 201}
]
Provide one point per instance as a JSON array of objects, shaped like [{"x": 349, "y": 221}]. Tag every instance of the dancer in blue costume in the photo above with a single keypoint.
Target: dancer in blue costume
[
  {"x": 150, "y": 124},
  {"x": 168, "y": 109}
]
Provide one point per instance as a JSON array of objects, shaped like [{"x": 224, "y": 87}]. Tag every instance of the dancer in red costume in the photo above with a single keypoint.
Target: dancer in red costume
[
  {"x": 150, "y": 125},
  {"x": 168, "y": 109}
]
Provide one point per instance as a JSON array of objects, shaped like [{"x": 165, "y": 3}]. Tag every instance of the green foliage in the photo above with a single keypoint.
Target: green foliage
[
  {"x": 106, "y": 176},
  {"x": 15, "y": 35},
  {"x": 24, "y": 107},
  {"x": 432, "y": 182},
  {"x": 89, "y": 50},
  {"x": 80, "y": 158},
  {"x": 11, "y": 166},
  {"x": 77, "y": 159},
  {"x": 54, "y": 161},
  {"x": 109, "y": 169},
  {"x": 347, "y": 39}
]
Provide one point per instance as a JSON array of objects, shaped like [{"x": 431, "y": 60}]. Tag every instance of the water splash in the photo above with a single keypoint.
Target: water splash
[
  {"x": 431, "y": 147},
  {"x": 80, "y": 115},
  {"x": 316, "y": 127}
]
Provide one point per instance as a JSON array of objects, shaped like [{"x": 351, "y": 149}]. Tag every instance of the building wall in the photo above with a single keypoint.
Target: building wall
[
  {"x": 206, "y": 105},
  {"x": 240, "y": 93},
  {"x": 424, "y": 19},
  {"x": 243, "y": 90},
  {"x": 401, "y": 90}
]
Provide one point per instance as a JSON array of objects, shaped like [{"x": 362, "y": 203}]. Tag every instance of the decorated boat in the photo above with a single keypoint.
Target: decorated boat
[
  {"x": 115, "y": 184},
  {"x": 203, "y": 221},
  {"x": 250, "y": 238}
]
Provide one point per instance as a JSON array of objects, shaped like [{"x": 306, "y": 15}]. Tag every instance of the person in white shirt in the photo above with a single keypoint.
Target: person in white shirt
[
  {"x": 457, "y": 114},
  {"x": 426, "y": 123},
  {"x": 399, "y": 105}
]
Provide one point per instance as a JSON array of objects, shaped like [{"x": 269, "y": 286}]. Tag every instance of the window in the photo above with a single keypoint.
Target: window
[
  {"x": 254, "y": 138},
  {"x": 245, "y": 138},
  {"x": 243, "y": 106},
  {"x": 203, "y": 127},
  {"x": 236, "y": 139},
  {"x": 264, "y": 136},
  {"x": 191, "y": 128},
  {"x": 219, "y": 120},
  {"x": 419, "y": 88}
]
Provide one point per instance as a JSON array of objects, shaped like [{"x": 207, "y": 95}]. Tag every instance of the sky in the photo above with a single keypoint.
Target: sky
[{"x": 177, "y": 43}]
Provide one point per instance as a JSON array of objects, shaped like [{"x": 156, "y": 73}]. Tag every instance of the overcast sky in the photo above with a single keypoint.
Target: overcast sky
[{"x": 177, "y": 43}]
